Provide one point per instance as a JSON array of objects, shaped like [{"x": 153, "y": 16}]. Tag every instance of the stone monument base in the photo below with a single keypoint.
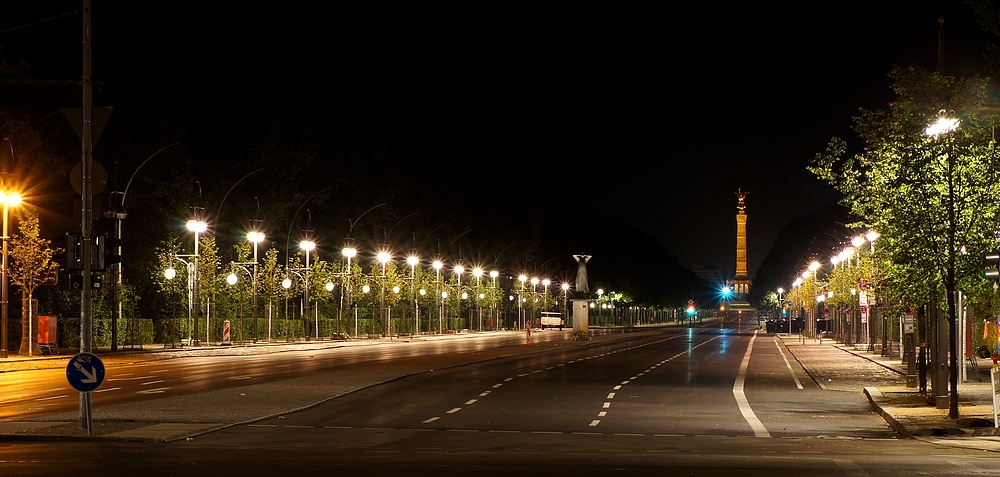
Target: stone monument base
[{"x": 581, "y": 315}]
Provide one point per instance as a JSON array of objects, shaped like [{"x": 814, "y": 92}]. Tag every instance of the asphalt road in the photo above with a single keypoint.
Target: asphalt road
[{"x": 677, "y": 401}]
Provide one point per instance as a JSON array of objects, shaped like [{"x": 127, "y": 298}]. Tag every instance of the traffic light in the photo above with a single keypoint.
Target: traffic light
[
  {"x": 993, "y": 272},
  {"x": 74, "y": 252},
  {"x": 107, "y": 252}
]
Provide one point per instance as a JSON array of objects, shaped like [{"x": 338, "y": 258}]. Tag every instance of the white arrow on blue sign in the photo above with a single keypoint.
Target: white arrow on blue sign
[{"x": 85, "y": 372}]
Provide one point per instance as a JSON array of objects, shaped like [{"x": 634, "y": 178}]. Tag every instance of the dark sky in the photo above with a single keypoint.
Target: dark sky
[{"x": 654, "y": 115}]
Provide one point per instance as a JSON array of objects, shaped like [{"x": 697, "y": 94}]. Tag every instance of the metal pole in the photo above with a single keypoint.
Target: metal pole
[
  {"x": 3, "y": 295},
  {"x": 86, "y": 221}
]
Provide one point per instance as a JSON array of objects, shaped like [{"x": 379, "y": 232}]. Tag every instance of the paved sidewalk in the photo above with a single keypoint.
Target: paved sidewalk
[{"x": 837, "y": 367}]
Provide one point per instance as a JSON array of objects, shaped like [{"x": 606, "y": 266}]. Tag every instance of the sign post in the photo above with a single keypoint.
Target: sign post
[
  {"x": 85, "y": 372},
  {"x": 995, "y": 379}
]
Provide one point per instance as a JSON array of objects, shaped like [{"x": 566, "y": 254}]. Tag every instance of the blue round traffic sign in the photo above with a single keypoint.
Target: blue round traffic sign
[{"x": 85, "y": 372}]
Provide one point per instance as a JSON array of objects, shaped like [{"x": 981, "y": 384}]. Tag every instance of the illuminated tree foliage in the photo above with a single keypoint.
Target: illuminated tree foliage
[
  {"x": 32, "y": 264},
  {"x": 933, "y": 197}
]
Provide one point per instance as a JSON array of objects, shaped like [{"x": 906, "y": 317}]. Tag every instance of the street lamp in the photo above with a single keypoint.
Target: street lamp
[
  {"x": 383, "y": 257},
  {"x": 412, "y": 260},
  {"x": 308, "y": 246},
  {"x": 493, "y": 275},
  {"x": 520, "y": 299},
  {"x": 348, "y": 252},
  {"x": 255, "y": 238},
  {"x": 438, "y": 265},
  {"x": 459, "y": 270},
  {"x": 9, "y": 199},
  {"x": 198, "y": 227}
]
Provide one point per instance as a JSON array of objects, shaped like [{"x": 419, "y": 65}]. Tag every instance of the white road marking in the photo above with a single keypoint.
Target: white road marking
[
  {"x": 470, "y": 401},
  {"x": 624, "y": 383},
  {"x": 106, "y": 390},
  {"x": 153, "y": 391},
  {"x": 262, "y": 425},
  {"x": 595, "y": 422},
  {"x": 239, "y": 378},
  {"x": 432, "y": 419},
  {"x": 789, "y": 366},
  {"x": 741, "y": 398},
  {"x": 602, "y": 414},
  {"x": 483, "y": 393},
  {"x": 850, "y": 468},
  {"x": 497, "y": 385},
  {"x": 454, "y": 410},
  {"x": 611, "y": 395},
  {"x": 508, "y": 379},
  {"x": 151, "y": 382},
  {"x": 52, "y": 397},
  {"x": 607, "y": 405},
  {"x": 522, "y": 375}
]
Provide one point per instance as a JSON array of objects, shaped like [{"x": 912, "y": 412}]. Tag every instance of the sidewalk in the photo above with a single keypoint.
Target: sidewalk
[{"x": 882, "y": 379}]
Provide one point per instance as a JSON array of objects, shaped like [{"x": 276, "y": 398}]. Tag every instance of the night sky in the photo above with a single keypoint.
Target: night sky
[{"x": 655, "y": 116}]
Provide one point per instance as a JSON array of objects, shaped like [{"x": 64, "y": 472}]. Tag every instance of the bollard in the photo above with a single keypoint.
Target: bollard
[{"x": 226, "y": 341}]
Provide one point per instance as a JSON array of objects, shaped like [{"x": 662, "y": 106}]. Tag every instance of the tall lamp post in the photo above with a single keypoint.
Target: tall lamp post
[
  {"x": 349, "y": 252},
  {"x": 412, "y": 260},
  {"x": 308, "y": 246},
  {"x": 9, "y": 199},
  {"x": 255, "y": 237},
  {"x": 438, "y": 265},
  {"x": 198, "y": 227}
]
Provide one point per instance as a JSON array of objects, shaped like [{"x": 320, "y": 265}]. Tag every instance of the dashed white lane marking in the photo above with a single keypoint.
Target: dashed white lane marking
[
  {"x": 611, "y": 395},
  {"x": 262, "y": 425},
  {"x": 741, "y": 398},
  {"x": 508, "y": 380},
  {"x": 497, "y": 385},
  {"x": 617, "y": 387},
  {"x": 151, "y": 382},
  {"x": 106, "y": 390},
  {"x": 522, "y": 375},
  {"x": 850, "y": 468},
  {"x": 595, "y": 422},
  {"x": 153, "y": 391},
  {"x": 798, "y": 384},
  {"x": 483, "y": 393},
  {"x": 432, "y": 419},
  {"x": 52, "y": 397},
  {"x": 454, "y": 410},
  {"x": 607, "y": 405},
  {"x": 240, "y": 378},
  {"x": 470, "y": 401},
  {"x": 624, "y": 383},
  {"x": 602, "y": 414}
]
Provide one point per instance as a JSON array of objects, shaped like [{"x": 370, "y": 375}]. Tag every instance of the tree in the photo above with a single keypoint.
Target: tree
[
  {"x": 32, "y": 266},
  {"x": 932, "y": 195}
]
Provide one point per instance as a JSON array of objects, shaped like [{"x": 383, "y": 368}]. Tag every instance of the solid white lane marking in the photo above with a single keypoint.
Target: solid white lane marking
[
  {"x": 741, "y": 398},
  {"x": 470, "y": 401},
  {"x": 787, "y": 365},
  {"x": 611, "y": 395},
  {"x": 454, "y": 410},
  {"x": 432, "y": 419},
  {"x": 595, "y": 422}
]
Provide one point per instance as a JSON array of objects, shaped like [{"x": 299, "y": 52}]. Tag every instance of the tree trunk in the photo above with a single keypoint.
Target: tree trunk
[{"x": 29, "y": 328}]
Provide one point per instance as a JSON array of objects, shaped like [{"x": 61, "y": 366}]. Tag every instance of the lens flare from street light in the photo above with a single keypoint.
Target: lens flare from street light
[
  {"x": 232, "y": 279},
  {"x": 942, "y": 125},
  {"x": 494, "y": 274},
  {"x": 522, "y": 278},
  {"x": 412, "y": 260},
  {"x": 477, "y": 272},
  {"x": 395, "y": 290},
  {"x": 813, "y": 266},
  {"x": 287, "y": 283},
  {"x": 437, "y": 264},
  {"x": 197, "y": 226},
  {"x": 329, "y": 286},
  {"x": 12, "y": 199},
  {"x": 307, "y": 245},
  {"x": 383, "y": 257},
  {"x": 366, "y": 289},
  {"x": 255, "y": 237},
  {"x": 350, "y": 252},
  {"x": 170, "y": 273},
  {"x": 459, "y": 269}
]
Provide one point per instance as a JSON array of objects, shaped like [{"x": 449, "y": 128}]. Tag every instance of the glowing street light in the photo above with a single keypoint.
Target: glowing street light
[{"x": 9, "y": 199}]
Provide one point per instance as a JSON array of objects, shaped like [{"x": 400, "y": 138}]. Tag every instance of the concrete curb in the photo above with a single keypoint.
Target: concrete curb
[{"x": 898, "y": 425}]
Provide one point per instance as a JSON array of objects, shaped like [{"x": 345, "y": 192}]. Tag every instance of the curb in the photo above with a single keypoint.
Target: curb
[{"x": 873, "y": 394}]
